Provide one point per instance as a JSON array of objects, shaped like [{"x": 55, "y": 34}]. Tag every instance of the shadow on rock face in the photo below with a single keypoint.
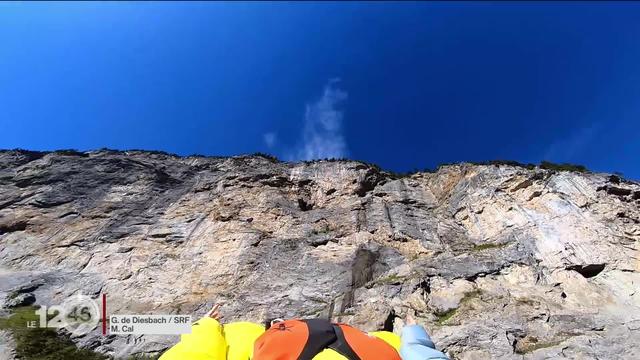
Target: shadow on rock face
[
  {"x": 361, "y": 273},
  {"x": 589, "y": 270}
]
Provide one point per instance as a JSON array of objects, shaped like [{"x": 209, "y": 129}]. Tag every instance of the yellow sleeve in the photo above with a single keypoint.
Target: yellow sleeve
[
  {"x": 388, "y": 337},
  {"x": 240, "y": 337},
  {"x": 206, "y": 342}
]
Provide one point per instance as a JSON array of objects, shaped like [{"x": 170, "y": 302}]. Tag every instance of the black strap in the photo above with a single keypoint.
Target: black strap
[
  {"x": 341, "y": 346},
  {"x": 325, "y": 335},
  {"x": 321, "y": 335}
]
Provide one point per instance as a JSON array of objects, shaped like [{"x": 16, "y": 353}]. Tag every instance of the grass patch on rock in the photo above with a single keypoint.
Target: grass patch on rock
[
  {"x": 471, "y": 295},
  {"x": 391, "y": 280},
  {"x": 445, "y": 316}
]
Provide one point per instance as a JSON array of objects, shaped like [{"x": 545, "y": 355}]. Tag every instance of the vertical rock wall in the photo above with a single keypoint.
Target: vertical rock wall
[{"x": 496, "y": 261}]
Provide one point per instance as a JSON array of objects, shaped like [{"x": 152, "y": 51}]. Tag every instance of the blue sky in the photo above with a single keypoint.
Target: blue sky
[{"x": 404, "y": 85}]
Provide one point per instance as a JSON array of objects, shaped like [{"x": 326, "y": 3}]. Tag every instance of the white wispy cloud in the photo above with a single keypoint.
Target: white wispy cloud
[
  {"x": 322, "y": 135},
  {"x": 570, "y": 147},
  {"x": 270, "y": 139}
]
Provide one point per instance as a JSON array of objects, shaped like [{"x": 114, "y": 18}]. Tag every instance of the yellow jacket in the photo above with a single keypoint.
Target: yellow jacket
[{"x": 234, "y": 341}]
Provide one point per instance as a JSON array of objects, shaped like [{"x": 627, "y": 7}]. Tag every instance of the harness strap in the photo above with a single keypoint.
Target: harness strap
[
  {"x": 321, "y": 335},
  {"x": 325, "y": 335},
  {"x": 341, "y": 346}
]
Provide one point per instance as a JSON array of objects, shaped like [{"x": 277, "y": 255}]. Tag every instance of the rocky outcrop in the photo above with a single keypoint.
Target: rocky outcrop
[{"x": 498, "y": 262}]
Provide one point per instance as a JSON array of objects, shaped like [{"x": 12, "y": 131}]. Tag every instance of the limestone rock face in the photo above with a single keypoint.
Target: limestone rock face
[{"x": 498, "y": 262}]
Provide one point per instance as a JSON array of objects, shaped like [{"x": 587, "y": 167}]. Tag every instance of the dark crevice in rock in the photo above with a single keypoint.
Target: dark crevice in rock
[
  {"x": 159, "y": 235},
  {"x": 223, "y": 218},
  {"x": 70, "y": 213},
  {"x": 407, "y": 201},
  {"x": 495, "y": 271},
  {"x": 614, "y": 179},
  {"x": 79, "y": 244},
  {"x": 330, "y": 191},
  {"x": 535, "y": 195},
  {"x": 22, "y": 295},
  {"x": 362, "y": 267},
  {"x": 15, "y": 300},
  {"x": 304, "y": 205},
  {"x": 425, "y": 285},
  {"x": 27, "y": 288},
  {"x": 523, "y": 185},
  {"x": 513, "y": 336},
  {"x": 539, "y": 176},
  {"x": 618, "y": 191},
  {"x": 361, "y": 273},
  {"x": 371, "y": 179},
  {"x": 164, "y": 178},
  {"x": 12, "y": 227},
  {"x": 623, "y": 215},
  {"x": 267, "y": 179},
  {"x": 388, "y": 322},
  {"x": 614, "y": 190},
  {"x": 319, "y": 242},
  {"x": 364, "y": 188},
  {"x": 361, "y": 218},
  {"x": 387, "y": 213},
  {"x": 588, "y": 271}
]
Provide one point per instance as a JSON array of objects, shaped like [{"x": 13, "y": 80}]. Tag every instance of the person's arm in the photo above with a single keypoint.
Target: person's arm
[
  {"x": 417, "y": 345},
  {"x": 206, "y": 341}
]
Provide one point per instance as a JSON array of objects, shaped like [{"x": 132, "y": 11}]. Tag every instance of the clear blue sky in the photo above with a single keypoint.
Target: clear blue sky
[{"x": 404, "y": 85}]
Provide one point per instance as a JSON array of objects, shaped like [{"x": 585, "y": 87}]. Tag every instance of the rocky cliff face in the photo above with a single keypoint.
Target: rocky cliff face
[{"x": 498, "y": 262}]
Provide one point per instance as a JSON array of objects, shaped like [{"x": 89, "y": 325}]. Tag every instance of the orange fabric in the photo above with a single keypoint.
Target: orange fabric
[
  {"x": 368, "y": 347},
  {"x": 283, "y": 341},
  {"x": 286, "y": 341}
]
